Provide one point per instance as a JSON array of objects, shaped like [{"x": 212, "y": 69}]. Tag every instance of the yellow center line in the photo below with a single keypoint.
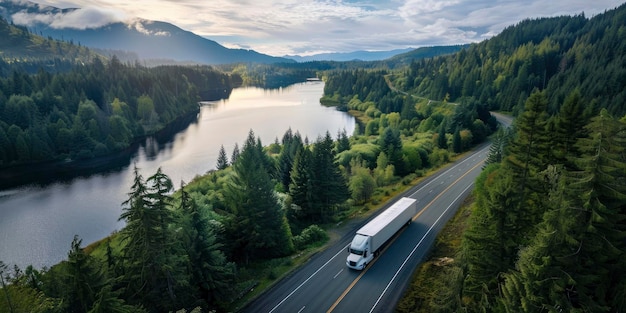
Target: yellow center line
[{"x": 356, "y": 280}]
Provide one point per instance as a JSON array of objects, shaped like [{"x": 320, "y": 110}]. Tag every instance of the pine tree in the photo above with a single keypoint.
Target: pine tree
[
  {"x": 568, "y": 127},
  {"x": 222, "y": 159},
  {"x": 343, "y": 142},
  {"x": 602, "y": 190},
  {"x": 108, "y": 301},
  {"x": 442, "y": 141},
  {"x": 329, "y": 185},
  {"x": 498, "y": 146},
  {"x": 301, "y": 188},
  {"x": 291, "y": 145},
  {"x": 257, "y": 226},
  {"x": 151, "y": 268},
  {"x": 235, "y": 155},
  {"x": 528, "y": 155},
  {"x": 576, "y": 260},
  {"x": 529, "y": 150},
  {"x": 490, "y": 241},
  {"x": 82, "y": 281},
  {"x": 539, "y": 281},
  {"x": 210, "y": 275},
  {"x": 457, "y": 144}
]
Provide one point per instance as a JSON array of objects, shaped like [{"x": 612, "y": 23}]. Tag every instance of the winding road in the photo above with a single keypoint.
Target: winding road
[{"x": 326, "y": 284}]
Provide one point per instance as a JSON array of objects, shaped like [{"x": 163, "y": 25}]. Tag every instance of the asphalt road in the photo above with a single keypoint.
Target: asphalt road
[{"x": 326, "y": 284}]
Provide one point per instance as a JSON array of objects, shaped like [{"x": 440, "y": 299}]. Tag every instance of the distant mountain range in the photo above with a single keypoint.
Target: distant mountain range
[
  {"x": 156, "y": 42},
  {"x": 148, "y": 39},
  {"x": 422, "y": 53},
  {"x": 350, "y": 56}
]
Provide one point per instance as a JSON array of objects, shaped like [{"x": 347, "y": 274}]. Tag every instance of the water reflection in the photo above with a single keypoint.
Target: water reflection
[{"x": 39, "y": 220}]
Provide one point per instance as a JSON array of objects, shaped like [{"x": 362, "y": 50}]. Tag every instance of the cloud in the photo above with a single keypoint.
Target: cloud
[
  {"x": 79, "y": 19},
  {"x": 138, "y": 25},
  {"x": 280, "y": 27}
]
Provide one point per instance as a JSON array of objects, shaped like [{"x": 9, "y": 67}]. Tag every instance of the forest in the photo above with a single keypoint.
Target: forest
[
  {"x": 557, "y": 55},
  {"x": 96, "y": 109},
  {"x": 546, "y": 230},
  {"x": 198, "y": 246}
]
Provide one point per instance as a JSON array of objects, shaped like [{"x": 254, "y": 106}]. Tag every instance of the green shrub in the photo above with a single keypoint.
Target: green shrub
[{"x": 310, "y": 236}]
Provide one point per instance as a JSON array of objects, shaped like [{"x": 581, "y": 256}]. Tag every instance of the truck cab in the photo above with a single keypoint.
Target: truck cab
[{"x": 360, "y": 252}]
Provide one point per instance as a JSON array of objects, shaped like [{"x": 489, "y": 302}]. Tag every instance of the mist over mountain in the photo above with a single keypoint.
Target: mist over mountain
[
  {"x": 148, "y": 39},
  {"x": 350, "y": 56}
]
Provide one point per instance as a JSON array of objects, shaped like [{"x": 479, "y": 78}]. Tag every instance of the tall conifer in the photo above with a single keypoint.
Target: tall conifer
[
  {"x": 222, "y": 159},
  {"x": 329, "y": 186},
  {"x": 257, "y": 226},
  {"x": 150, "y": 268},
  {"x": 576, "y": 260}
]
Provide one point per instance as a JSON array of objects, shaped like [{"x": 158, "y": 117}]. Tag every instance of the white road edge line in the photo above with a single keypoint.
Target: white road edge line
[
  {"x": 343, "y": 249},
  {"x": 302, "y": 309},
  {"x": 457, "y": 167},
  {"x": 305, "y": 281},
  {"x": 417, "y": 245}
]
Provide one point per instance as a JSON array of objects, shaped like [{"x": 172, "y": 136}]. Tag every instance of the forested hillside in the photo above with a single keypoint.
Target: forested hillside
[
  {"x": 548, "y": 226},
  {"x": 546, "y": 232},
  {"x": 226, "y": 235},
  {"x": 552, "y": 54},
  {"x": 23, "y": 51},
  {"x": 60, "y": 101},
  {"x": 95, "y": 108}
]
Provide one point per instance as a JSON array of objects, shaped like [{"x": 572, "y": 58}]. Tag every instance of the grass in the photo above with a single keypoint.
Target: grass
[
  {"x": 257, "y": 277},
  {"x": 431, "y": 275}
]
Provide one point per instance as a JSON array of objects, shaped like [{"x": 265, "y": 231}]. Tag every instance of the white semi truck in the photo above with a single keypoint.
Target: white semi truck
[{"x": 371, "y": 237}]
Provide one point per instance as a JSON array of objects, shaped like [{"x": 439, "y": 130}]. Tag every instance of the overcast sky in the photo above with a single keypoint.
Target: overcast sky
[{"x": 304, "y": 27}]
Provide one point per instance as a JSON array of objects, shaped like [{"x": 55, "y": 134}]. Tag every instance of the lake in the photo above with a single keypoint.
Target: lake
[{"x": 39, "y": 220}]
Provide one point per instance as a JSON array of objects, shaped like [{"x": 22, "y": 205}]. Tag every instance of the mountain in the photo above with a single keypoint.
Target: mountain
[
  {"x": 350, "y": 56},
  {"x": 557, "y": 55},
  {"x": 148, "y": 39},
  {"x": 20, "y": 50},
  {"x": 424, "y": 52}
]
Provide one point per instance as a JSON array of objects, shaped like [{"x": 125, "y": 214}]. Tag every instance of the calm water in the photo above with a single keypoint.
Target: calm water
[{"x": 37, "y": 223}]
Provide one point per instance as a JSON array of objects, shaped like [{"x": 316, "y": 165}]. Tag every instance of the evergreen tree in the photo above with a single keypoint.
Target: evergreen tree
[
  {"x": 490, "y": 241},
  {"x": 576, "y": 260},
  {"x": 343, "y": 142},
  {"x": 82, "y": 280},
  {"x": 222, "y": 159},
  {"x": 210, "y": 275},
  {"x": 301, "y": 189},
  {"x": 257, "y": 226},
  {"x": 498, "y": 146},
  {"x": 108, "y": 301},
  {"x": 568, "y": 127},
  {"x": 528, "y": 155},
  {"x": 235, "y": 155},
  {"x": 457, "y": 144},
  {"x": 391, "y": 144},
  {"x": 151, "y": 269},
  {"x": 442, "y": 141},
  {"x": 291, "y": 145},
  {"x": 329, "y": 186}
]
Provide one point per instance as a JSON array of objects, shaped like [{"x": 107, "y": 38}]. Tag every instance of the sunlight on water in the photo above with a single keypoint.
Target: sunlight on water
[{"x": 37, "y": 224}]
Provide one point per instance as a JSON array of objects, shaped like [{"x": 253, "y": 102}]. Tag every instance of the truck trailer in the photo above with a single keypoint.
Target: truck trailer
[{"x": 370, "y": 238}]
